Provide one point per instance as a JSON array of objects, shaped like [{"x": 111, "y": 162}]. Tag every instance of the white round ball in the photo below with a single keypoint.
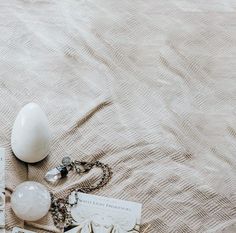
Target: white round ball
[{"x": 30, "y": 201}]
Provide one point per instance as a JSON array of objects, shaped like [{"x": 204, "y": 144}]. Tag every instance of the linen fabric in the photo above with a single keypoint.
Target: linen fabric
[{"x": 148, "y": 87}]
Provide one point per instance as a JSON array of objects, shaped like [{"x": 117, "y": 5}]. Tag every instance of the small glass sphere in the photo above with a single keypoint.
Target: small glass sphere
[{"x": 30, "y": 201}]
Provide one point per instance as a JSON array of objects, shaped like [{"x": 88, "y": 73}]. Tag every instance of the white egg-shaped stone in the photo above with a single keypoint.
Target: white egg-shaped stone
[
  {"x": 30, "y": 139},
  {"x": 30, "y": 201}
]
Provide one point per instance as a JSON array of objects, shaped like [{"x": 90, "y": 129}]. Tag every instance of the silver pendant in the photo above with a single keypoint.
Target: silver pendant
[
  {"x": 59, "y": 172},
  {"x": 61, "y": 208},
  {"x": 56, "y": 174}
]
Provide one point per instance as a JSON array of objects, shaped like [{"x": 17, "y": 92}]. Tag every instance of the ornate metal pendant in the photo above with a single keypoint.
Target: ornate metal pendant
[
  {"x": 59, "y": 172},
  {"x": 60, "y": 208}
]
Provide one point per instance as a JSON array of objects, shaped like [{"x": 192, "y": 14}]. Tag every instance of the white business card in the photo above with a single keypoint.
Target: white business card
[{"x": 101, "y": 214}]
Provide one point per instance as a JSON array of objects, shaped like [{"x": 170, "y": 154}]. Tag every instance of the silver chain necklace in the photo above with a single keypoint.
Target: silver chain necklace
[{"x": 61, "y": 208}]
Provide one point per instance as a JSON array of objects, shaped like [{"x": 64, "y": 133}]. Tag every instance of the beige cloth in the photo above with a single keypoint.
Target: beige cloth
[{"x": 147, "y": 86}]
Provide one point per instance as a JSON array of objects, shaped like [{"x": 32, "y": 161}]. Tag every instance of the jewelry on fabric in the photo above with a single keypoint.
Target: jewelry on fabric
[{"x": 61, "y": 208}]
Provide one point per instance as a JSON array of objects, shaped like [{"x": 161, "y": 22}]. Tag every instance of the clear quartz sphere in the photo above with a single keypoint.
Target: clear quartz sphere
[{"x": 30, "y": 201}]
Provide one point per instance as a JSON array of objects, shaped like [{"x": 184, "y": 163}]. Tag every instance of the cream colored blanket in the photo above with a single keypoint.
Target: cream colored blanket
[{"x": 147, "y": 86}]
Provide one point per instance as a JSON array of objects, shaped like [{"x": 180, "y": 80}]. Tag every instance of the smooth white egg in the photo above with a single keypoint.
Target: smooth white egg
[{"x": 30, "y": 139}]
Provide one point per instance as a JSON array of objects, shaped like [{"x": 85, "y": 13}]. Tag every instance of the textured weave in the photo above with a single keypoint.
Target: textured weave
[{"x": 147, "y": 86}]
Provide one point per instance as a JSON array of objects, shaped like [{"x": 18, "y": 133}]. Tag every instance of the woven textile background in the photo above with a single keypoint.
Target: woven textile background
[{"x": 147, "y": 86}]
